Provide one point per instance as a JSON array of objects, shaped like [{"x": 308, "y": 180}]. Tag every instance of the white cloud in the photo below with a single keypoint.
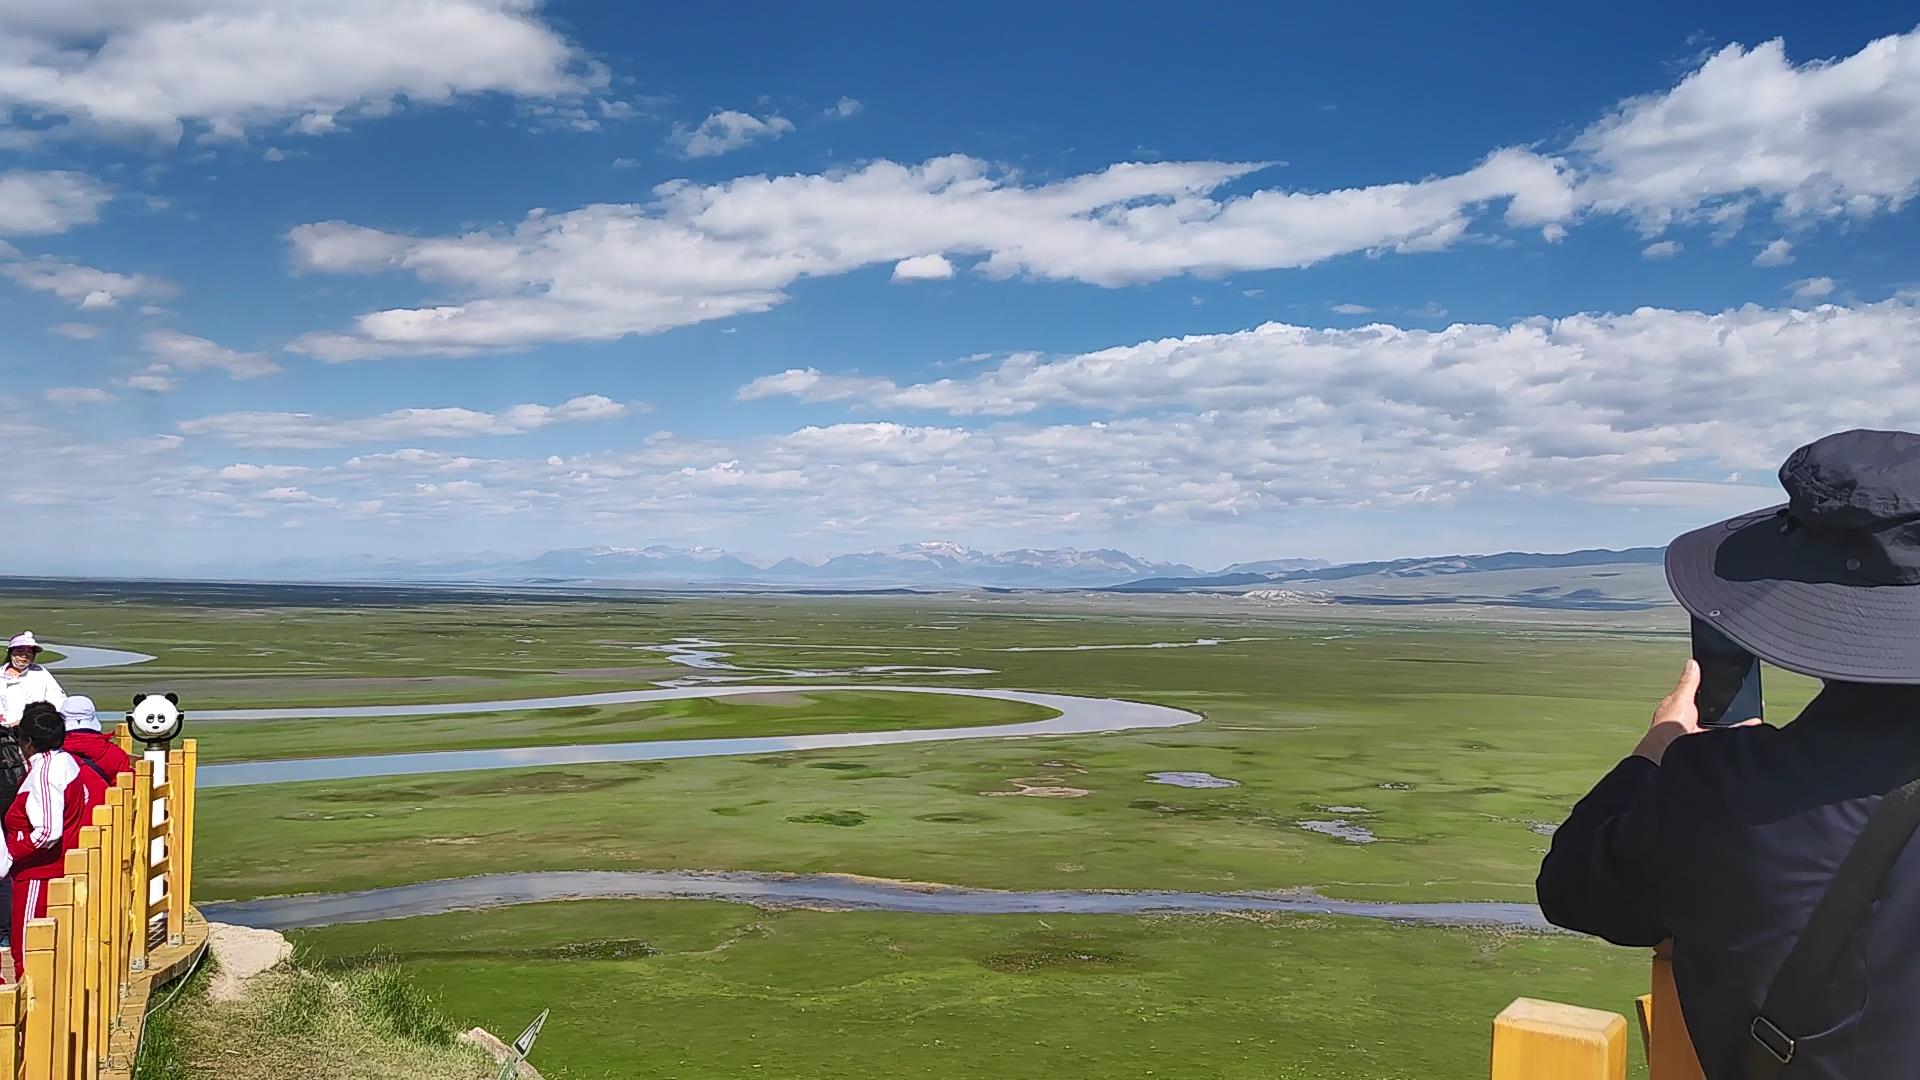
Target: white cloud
[
  {"x": 704, "y": 252},
  {"x": 227, "y": 67},
  {"x": 339, "y": 247},
  {"x": 171, "y": 350},
  {"x": 83, "y": 286},
  {"x": 1823, "y": 138},
  {"x": 1588, "y": 397},
  {"x": 1813, "y": 288},
  {"x": 1745, "y": 131},
  {"x": 923, "y": 268},
  {"x": 1647, "y": 409},
  {"x": 844, "y": 108},
  {"x": 152, "y": 381},
  {"x": 77, "y": 331},
  {"x": 1776, "y": 253},
  {"x": 77, "y": 395},
  {"x": 48, "y": 202},
  {"x": 726, "y": 130},
  {"x": 1352, "y": 309},
  {"x": 1664, "y": 249},
  {"x": 285, "y": 430}
]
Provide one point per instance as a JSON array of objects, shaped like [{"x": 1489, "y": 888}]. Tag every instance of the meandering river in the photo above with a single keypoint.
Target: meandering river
[
  {"x": 1077, "y": 716},
  {"x": 827, "y": 892}
]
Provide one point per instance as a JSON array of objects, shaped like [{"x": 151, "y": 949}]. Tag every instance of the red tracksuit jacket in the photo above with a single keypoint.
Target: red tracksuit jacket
[
  {"x": 43, "y": 823},
  {"x": 99, "y": 749}
]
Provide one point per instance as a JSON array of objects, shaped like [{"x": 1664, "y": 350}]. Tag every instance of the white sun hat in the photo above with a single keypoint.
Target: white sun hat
[
  {"x": 79, "y": 713},
  {"x": 24, "y": 637}
]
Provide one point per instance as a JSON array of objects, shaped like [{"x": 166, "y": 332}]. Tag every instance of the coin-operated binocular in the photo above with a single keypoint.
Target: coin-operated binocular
[{"x": 156, "y": 719}]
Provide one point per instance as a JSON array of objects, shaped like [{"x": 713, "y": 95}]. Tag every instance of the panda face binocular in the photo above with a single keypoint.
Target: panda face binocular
[{"x": 155, "y": 718}]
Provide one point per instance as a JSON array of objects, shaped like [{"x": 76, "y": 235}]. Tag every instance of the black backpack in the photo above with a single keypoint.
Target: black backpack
[{"x": 13, "y": 767}]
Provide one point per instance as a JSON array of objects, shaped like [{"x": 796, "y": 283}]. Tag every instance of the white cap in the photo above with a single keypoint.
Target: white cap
[
  {"x": 78, "y": 712},
  {"x": 24, "y": 637}
]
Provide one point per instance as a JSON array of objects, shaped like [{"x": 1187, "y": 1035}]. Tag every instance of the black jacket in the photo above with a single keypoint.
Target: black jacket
[{"x": 1727, "y": 845}]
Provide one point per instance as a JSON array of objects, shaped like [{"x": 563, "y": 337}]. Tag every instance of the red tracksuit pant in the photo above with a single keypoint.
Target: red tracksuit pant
[{"x": 29, "y": 902}]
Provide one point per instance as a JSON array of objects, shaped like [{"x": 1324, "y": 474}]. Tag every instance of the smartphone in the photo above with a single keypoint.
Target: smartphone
[{"x": 1729, "y": 678}]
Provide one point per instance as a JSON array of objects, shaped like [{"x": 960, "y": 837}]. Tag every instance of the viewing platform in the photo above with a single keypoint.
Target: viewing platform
[{"x": 119, "y": 925}]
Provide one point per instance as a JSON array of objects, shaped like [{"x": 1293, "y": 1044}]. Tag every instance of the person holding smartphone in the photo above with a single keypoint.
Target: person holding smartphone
[{"x": 1726, "y": 840}]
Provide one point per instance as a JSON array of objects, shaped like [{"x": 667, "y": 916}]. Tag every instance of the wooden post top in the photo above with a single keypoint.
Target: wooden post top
[{"x": 1571, "y": 1021}]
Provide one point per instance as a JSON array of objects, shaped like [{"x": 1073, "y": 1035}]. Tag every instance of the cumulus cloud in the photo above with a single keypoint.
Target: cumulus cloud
[
  {"x": 338, "y": 247},
  {"x": 1650, "y": 408},
  {"x": 1664, "y": 249},
  {"x": 48, "y": 202},
  {"x": 1747, "y": 130},
  {"x": 77, "y": 395},
  {"x": 1776, "y": 253},
  {"x": 1820, "y": 139},
  {"x": 225, "y": 67},
  {"x": 171, "y": 350},
  {"x": 289, "y": 430},
  {"x": 726, "y": 130},
  {"x": 703, "y": 252},
  {"x": 923, "y": 268},
  {"x": 154, "y": 380},
  {"x": 844, "y": 108},
  {"x": 1813, "y": 288},
  {"x": 85, "y": 287},
  {"x": 1594, "y": 396}
]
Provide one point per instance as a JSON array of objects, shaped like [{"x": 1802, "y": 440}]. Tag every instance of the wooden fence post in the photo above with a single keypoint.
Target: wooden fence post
[
  {"x": 1533, "y": 1040},
  {"x": 1670, "y": 1053},
  {"x": 42, "y": 1003},
  {"x": 86, "y": 971},
  {"x": 13, "y": 1001},
  {"x": 60, "y": 973},
  {"x": 142, "y": 860},
  {"x": 189, "y": 797},
  {"x": 176, "y": 804},
  {"x": 100, "y": 958}
]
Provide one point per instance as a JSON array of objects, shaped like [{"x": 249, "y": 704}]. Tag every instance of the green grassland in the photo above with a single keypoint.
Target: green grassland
[
  {"x": 678, "y": 990},
  {"x": 1461, "y": 734}
]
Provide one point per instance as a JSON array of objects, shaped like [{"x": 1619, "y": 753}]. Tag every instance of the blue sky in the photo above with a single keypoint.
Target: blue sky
[{"x": 284, "y": 278}]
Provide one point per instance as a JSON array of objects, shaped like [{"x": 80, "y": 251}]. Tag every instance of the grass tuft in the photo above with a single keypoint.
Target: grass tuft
[{"x": 368, "y": 1022}]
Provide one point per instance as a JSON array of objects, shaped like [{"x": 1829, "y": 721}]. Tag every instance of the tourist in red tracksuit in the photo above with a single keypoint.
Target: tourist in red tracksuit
[{"x": 44, "y": 820}]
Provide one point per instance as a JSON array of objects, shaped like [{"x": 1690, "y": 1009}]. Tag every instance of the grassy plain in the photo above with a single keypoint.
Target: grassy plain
[
  {"x": 679, "y": 990},
  {"x": 1454, "y": 737}
]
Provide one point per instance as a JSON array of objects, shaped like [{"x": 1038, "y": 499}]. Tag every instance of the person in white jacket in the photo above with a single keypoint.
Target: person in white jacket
[{"x": 23, "y": 681}]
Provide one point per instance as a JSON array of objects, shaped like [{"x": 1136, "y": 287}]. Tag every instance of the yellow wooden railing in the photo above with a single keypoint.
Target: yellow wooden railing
[
  {"x": 1545, "y": 1040},
  {"x": 118, "y": 924}
]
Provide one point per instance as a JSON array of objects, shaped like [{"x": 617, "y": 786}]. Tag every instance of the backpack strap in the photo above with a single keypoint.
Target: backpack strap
[
  {"x": 91, "y": 764},
  {"x": 1794, "y": 999}
]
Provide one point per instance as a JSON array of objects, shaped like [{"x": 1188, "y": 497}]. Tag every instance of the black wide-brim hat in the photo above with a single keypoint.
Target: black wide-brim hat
[{"x": 1826, "y": 584}]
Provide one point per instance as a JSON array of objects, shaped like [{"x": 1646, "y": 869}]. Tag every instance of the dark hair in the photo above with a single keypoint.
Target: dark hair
[{"x": 43, "y": 726}]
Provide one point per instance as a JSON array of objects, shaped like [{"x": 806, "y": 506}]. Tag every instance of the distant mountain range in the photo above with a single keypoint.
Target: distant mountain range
[
  {"x": 931, "y": 565},
  {"x": 1241, "y": 575}
]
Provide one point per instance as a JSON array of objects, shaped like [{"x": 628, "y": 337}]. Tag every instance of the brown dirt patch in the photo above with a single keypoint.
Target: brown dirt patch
[{"x": 1041, "y": 787}]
